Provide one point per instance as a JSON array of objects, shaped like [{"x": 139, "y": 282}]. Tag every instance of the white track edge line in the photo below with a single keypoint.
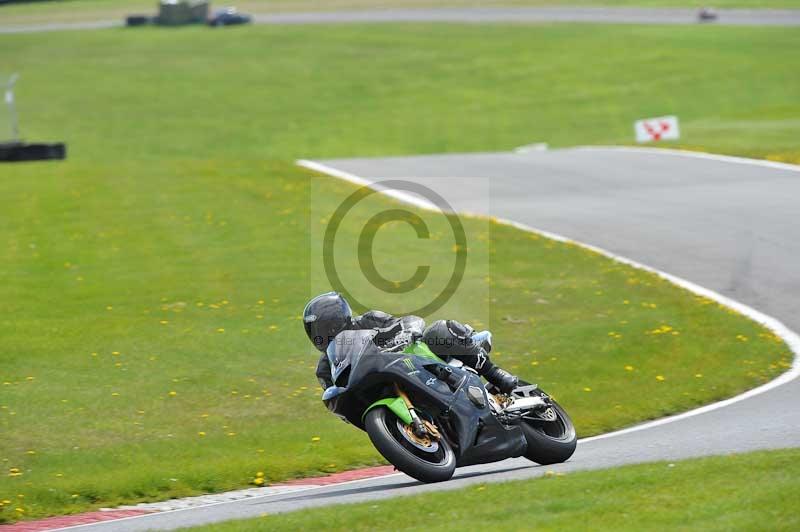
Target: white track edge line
[
  {"x": 787, "y": 335},
  {"x": 697, "y": 155}
]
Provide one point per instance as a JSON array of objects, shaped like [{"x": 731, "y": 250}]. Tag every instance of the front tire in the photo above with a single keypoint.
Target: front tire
[
  {"x": 550, "y": 442},
  {"x": 384, "y": 431}
]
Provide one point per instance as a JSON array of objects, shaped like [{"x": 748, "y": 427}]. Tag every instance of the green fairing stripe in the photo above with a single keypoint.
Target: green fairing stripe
[
  {"x": 396, "y": 405},
  {"x": 421, "y": 349}
]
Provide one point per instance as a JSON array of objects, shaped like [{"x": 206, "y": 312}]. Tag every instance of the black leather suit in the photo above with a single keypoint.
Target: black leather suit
[{"x": 448, "y": 339}]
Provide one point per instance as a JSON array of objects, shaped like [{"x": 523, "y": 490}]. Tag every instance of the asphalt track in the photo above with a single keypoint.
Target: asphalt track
[
  {"x": 596, "y": 15},
  {"x": 728, "y": 225}
]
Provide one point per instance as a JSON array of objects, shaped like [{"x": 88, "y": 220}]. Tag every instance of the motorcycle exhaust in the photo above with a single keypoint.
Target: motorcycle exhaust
[{"x": 525, "y": 403}]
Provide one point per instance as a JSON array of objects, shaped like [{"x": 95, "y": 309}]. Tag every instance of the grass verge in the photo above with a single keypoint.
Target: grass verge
[
  {"x": 355, "y": 90},
  {"x": 172, "y": 251},
  {"x": 741, "y": 492}
]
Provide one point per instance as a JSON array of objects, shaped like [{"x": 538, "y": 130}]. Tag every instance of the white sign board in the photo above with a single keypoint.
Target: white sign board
[{"x": 655, "y": 129}]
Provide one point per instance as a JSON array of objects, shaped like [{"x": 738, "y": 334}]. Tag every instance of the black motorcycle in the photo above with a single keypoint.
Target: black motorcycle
[{"x": 427, "y": 416}]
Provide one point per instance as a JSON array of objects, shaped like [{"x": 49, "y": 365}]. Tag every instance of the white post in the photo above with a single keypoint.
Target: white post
[{"x": 12, "y": 110}]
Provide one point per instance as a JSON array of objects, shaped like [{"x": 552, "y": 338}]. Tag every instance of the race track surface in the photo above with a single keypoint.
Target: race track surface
[
  {"x": 599, "y": 15},
  {"x": 729, "y": 226},
  {"x": 596, "y": 15}
]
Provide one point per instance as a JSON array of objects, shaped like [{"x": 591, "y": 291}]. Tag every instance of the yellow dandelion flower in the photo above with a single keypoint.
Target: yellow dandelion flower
[
  {"x": 698, "y": 375},
  {"x": 201, "y": 433},
  {"x": 220, "y": 330},
  {"x": 164, "y": 322},
  {"x": 258, "y": 481},
  {"x": 260, "y": 474},
  {"x": 629, "y": 368},
  {"x": 587, "y": 389},
  {"x": 660, "y": 378},
  {"x": 315, "y": 439},
  {"x": 172, "y": 394}
]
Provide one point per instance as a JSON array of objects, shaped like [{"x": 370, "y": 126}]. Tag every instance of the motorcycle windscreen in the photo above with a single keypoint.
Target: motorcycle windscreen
[{"x": 346, "y": 349}]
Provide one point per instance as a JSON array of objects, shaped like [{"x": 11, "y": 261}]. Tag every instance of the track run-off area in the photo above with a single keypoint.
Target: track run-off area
[{"x": 722, "y": 227}]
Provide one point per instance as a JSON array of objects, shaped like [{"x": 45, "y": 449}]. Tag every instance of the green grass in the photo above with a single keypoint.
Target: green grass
[
  {"x": 81, "y": 10},
  {"x": 754, "y": 491},
  {"x": 282, "y": 92},
  {"x": 179, "y": 190}
]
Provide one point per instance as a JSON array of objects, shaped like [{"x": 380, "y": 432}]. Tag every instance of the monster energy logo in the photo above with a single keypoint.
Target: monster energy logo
[{"x": 409, "y": 364}]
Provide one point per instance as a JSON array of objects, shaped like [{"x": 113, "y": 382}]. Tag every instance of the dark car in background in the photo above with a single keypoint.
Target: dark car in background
[{"x": 228, "y": 17}]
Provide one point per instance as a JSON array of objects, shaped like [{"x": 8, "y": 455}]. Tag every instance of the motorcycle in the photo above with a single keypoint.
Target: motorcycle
[{"x": 427, "y": 416}]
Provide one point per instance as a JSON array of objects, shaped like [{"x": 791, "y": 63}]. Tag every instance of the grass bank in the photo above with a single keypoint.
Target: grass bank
[{"x": 287, "y": 92}]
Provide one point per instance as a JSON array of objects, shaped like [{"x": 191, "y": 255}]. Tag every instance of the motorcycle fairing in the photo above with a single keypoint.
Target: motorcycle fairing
[
  {"x": 396, "y": 405},
  {"x": 476, "y": 434}
]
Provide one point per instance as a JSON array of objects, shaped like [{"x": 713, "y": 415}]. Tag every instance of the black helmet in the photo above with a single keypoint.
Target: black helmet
[{"x": 324, "y": 317}]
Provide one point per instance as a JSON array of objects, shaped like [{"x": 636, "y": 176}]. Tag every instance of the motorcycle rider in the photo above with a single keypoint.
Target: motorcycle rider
[{"x": 328, "y": 314}]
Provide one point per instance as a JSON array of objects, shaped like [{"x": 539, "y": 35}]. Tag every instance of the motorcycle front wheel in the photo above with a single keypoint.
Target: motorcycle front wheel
[{"x": 426, "y": 460}]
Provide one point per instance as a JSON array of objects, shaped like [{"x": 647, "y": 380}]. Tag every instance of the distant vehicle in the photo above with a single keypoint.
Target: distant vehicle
[
  {"x": 137, "y": 20},
  {"x": 707, "y": 14},
  {"x": 229, "y": 17}
]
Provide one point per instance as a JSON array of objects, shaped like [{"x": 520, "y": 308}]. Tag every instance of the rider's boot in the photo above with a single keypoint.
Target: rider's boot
[{"x": 504, "y": 380}]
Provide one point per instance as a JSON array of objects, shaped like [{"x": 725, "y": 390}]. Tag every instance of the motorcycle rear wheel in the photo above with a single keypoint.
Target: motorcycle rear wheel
[
  {"x": 384, "y": 432},
  {"x": 550, "y": 442}
]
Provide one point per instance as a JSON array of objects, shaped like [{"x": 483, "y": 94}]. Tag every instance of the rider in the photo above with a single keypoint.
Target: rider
[{"x": 328, "y": 314}]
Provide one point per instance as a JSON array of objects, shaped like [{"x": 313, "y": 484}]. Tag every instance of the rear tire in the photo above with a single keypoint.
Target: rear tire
[
  {"x": 381, "y": 426},
  {"x": 550, "y": 442}
]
